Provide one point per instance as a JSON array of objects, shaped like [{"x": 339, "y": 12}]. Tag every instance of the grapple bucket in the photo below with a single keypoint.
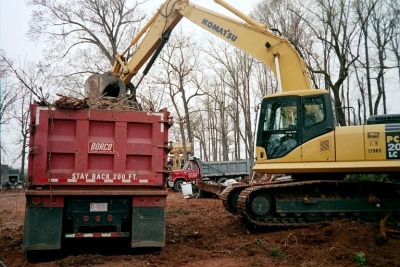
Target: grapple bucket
[{"x": 106, "y": 84}]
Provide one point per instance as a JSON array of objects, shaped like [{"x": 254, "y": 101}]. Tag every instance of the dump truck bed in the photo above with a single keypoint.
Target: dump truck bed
[
  {"x": 225, "y": 168},
  {"x": 97, "y": 147}
]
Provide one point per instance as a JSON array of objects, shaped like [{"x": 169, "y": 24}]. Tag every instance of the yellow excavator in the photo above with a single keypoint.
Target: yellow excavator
[
  {"x": 297, "y": 131},
  {"x": 177, "y": 153}
]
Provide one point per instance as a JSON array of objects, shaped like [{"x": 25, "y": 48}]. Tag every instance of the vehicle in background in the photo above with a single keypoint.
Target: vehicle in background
[
  {"x": 214, "y": 171},
  {"x": 177, "y": 153}
]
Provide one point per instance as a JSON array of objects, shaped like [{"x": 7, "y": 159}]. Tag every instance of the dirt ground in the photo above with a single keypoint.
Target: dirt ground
[{"x": 200, "y": 233}]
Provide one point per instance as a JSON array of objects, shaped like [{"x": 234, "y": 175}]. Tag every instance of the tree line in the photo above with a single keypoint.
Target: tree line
[{"x": 351, "y": 48}]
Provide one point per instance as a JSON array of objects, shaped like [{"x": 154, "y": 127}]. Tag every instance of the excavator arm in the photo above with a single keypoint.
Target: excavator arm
[{"x": 249, "y": 36}]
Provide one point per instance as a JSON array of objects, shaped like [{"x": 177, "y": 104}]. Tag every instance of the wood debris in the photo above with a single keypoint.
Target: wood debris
[
  {"x": 109, "y": 103},
  {"x": 382, "y": 229},
  {"x": 70, "y": 102},
  {"x": 114, "y": 103}
]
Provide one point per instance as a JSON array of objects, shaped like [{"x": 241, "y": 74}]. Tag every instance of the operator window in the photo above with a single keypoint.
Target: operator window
[
  {"x": 280, "y": 130},
  {"x": 281, "y": 116},
  {"x": 313, "y": 111}
]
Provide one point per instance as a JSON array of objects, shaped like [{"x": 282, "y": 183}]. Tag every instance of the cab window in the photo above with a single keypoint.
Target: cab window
[
  {"x": 191, "y": 166},
  {"x": 281, "y": 116},
  {"x": 280, "y": 130},
  {"x": 313, "y": 111}
]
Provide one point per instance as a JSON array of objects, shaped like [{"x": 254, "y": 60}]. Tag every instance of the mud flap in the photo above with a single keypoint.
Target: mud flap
[
  {"x": 42, "y": 228},
  {"x": 148, "y": 227}
]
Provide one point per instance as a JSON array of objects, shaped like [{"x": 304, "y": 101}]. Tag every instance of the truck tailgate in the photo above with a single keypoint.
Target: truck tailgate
[{"x": 97, "y": 147}]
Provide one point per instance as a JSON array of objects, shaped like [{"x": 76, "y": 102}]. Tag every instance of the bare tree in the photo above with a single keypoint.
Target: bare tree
[
  {"x": 288, "y": 18},
  {"x": 224, "y": 96},
  {"x": 363, "y": 10},
  {"x": 83, "y": 36},
  {"x": 7, "y": 99},
  {"x": 245, "y": 94},
  {"x": 234, "y": 71},
  {"x": 337, "y": 33},
  {"x": 213, "y": 126},
  {"x": 21, "y": 114},
  {"x": 180, "y": 76},
  {"x": 200, "y": 132},
  {"x": 22, "y": 92},
  {"x": 394, "y": 6},
  {"x": 222, "y": 105},
  {"x": 361, "y": 103},
  {"x": 378, "y": 22},
  {"x": 265, "y": 81},
  {"x": 8, "y": 96},
  {"x": 383, "y": 25}
]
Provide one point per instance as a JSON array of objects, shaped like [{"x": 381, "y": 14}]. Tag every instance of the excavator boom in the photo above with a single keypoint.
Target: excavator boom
[{"x": 248, "y": 35}]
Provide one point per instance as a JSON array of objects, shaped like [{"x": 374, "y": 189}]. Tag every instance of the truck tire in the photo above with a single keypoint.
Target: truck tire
[
  {"x": 178, "y": 186},
  {"x": 35, "y": 256}
]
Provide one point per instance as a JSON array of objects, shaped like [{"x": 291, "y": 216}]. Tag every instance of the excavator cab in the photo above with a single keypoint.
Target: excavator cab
[{"x": 290, "y": 119}]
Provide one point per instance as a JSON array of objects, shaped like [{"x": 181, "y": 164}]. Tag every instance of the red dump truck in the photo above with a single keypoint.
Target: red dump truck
[
  {"x": 95, "y": 174},
  {"x": 215, "y": 171}
]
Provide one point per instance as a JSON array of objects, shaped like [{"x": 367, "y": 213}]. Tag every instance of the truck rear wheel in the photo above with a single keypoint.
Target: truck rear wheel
[
  {"x": 35, "y": 256},
  {"x": 178, "y": 186}
]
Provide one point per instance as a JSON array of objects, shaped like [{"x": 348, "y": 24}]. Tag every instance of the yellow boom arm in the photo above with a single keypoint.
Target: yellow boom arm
[{"x": 250, "y": 36}]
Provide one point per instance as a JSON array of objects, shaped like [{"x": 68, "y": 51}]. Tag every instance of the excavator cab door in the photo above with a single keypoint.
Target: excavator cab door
[{"x": 280, "y": 128}]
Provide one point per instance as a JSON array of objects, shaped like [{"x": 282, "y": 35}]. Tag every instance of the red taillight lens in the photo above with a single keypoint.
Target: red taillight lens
[{"x": 36, "y": 200}]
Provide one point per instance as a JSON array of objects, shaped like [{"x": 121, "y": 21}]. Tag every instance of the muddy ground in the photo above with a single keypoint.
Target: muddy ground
[{"x": 201, "y": 233}]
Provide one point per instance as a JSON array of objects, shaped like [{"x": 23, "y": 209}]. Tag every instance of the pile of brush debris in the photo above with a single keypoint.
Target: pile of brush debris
[{"x": 111, "y": 103}]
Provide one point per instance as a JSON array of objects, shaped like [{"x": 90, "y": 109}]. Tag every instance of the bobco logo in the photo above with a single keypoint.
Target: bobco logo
[{"x": 101, "y": 147}]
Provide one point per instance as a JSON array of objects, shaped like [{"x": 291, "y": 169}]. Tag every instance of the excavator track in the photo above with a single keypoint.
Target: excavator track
[
  {"x": 297, "y": 204},
  {"x": 230, "y": 196}
]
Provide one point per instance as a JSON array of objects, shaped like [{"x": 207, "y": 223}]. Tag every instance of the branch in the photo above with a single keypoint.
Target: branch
[{"x": 38, "y": 92}]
